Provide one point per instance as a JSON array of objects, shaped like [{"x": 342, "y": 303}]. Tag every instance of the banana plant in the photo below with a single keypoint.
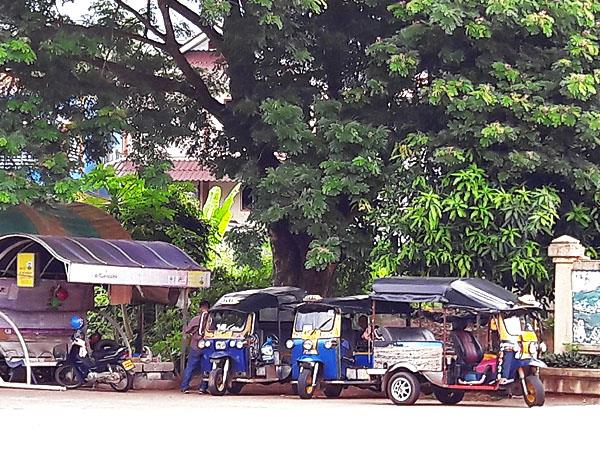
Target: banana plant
[{"x": 218, "y": 214}]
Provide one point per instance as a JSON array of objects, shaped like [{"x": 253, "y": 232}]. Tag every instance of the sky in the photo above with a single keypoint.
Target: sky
[{"x": 76, "y": 9}]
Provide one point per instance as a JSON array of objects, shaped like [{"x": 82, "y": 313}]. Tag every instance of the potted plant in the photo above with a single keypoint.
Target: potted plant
[{"x": 572, "y": 372}]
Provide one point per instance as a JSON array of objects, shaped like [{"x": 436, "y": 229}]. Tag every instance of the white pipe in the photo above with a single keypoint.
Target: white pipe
[
  {"x": 37, "y": 387},
  {"x": 22, "y": 342}
]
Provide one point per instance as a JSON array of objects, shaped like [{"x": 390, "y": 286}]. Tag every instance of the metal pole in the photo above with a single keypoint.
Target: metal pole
[
  {"x": 444, "y": 339},
  {"x": 184, "y": 314}
]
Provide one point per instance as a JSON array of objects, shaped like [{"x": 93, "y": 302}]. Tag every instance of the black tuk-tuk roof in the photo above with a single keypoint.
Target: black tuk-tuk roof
[
  {"x": 350, "y": 304},
  {"x": 470, "y": 293},
  {"x": 254, "y": 300},
  {"x": 362, "y": 304}
]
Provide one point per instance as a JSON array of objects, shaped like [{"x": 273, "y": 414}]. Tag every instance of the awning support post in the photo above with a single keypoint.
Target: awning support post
[{"x": 185, "y": 318}]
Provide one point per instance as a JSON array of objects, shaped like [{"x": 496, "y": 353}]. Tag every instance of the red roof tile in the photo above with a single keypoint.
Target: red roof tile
[
  {"x": 183, "y": 170},
  {"x": 203, "y": 59}
]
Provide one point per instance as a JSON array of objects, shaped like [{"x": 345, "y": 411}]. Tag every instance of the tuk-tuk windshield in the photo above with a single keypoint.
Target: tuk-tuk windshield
[
  {"x": 226, "y": 320},
  {"x": 314, "y": 320}
]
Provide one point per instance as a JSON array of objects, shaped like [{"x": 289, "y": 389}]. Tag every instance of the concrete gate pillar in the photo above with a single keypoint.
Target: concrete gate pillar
[{"x": 564, "y": 251}]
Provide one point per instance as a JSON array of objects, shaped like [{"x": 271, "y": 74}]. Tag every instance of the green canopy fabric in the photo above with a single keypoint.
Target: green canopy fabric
[{"x": 74, "y": 220}]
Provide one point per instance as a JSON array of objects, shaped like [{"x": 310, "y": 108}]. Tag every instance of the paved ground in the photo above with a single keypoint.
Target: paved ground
[{"x": 157, "y": 419}]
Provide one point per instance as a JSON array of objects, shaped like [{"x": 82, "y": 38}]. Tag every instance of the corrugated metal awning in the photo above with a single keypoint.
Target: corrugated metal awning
[{"x": 110, "y": 261}]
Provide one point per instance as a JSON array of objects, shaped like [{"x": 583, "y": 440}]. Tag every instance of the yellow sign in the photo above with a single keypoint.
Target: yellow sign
[
  {"x": 198, "y": 279},
  {"x": 26, "y": 269}
]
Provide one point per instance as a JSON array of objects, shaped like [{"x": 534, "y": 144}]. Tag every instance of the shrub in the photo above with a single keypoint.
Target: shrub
[{"x": 572, "y": 359}]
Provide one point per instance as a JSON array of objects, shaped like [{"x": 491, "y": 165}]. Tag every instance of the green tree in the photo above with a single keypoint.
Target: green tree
[
  {"x": 463, "y": 225},
  {"x": 150, "y": 208},
  {"x": 509, "y": 85},
  {"x": 303, "y": 127},
  {"x": 48, "y": 127}
]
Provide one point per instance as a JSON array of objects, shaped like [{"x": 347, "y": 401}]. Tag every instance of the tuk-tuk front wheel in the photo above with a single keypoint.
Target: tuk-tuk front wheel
[
  {"x": 448, "y": 396},
  {"x": 403, "y": 388},
  {"x": 535, "y": 394},
  {"x": 305, "y": 383},
  {"x": 216, "y": 382}
]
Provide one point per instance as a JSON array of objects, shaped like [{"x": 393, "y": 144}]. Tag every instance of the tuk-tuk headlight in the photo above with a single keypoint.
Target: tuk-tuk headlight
[
  {"x": 201, "y": 344},
  {"x": 239, "y": 344},
  {"x": 289, "y": 344},
  {"x": 307, "y": 345},
  {"x": 207, "y": 343},
  {"x": 328, "y": 344},
  {"x": 232, "y": 344}
]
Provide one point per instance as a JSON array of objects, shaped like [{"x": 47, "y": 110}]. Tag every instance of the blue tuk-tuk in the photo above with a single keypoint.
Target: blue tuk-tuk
[
  {"x": 241, "y": 341},
  {"x": 372, "y": 341}
]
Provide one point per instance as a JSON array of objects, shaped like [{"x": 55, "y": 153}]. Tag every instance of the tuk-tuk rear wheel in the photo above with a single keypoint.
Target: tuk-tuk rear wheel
[
  {"x": 305, "y": 383},
  {"x": 535, "y": 395},
  {"x": 333, "y": 390},
  {"x": 448, "y": 396},
  {"x": 216, "y": 382},
  {"x": 403, "y": 388},
  {"x": 235, "y": 388}
]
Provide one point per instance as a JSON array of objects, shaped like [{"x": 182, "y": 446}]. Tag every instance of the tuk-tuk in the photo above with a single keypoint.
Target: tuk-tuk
[
  {"x": 328, "y": 346},
  {"x": 447, "y": 358},
  {"x": 241, "y": 341},
  {"x": 509, "y": 362}
]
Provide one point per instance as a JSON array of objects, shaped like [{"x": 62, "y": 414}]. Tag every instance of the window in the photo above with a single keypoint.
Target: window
[{"x": 246, "y": 198}]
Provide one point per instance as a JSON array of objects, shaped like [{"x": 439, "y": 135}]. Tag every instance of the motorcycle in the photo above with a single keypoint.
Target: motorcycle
[{"x": 107, "y": 364}]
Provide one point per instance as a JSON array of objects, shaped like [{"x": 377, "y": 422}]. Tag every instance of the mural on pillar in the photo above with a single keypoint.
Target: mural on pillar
[{"x": 586, "y": 307}]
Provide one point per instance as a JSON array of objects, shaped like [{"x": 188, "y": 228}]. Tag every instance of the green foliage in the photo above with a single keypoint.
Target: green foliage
[
  {"x": 505, "y": 85},
  {"x": 462, "y": 225},
  {"x": 46, "y": 128},
  {"x": 248, "y": 244},
  {"x": 572, "y": 360},
  {"x": 150, "y": 209},
  {"x": 328, "y": 103},
  {"x": 217, "y": 213}
]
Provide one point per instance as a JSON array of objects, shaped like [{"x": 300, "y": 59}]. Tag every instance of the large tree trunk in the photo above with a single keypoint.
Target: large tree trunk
[{"x": 289, "y": 256}]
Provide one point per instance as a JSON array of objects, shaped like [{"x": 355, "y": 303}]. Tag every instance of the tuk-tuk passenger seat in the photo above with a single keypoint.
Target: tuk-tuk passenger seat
[
  {"x": 392, "y": 334},
  {"x": 467, "y": 348}
]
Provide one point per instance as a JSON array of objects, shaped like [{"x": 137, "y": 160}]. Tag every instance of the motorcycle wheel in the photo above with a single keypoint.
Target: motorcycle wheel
[
  {"x": 68, "y": 376},
  {"x": 305, "y": 383},
  {"x": 216, "y": 382},
  {"x": 126, "y": 378}
]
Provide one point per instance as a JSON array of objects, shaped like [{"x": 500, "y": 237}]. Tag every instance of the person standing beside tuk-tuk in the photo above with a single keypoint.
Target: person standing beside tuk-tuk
[{"x": 195, "y": 329}]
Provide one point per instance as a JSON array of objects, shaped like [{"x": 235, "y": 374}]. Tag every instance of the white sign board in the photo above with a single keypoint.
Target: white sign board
[{"x": 135, "y": 276}]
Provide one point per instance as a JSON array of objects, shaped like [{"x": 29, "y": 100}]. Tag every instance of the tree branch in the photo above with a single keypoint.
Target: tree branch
[
  {"x": 195, "y": 19},
  {"x": 140, "y": 17},
  {"x": 203, "y": 94},
  {"x": 107, "y": 32},
  {"x": 132, "y": 76}
]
